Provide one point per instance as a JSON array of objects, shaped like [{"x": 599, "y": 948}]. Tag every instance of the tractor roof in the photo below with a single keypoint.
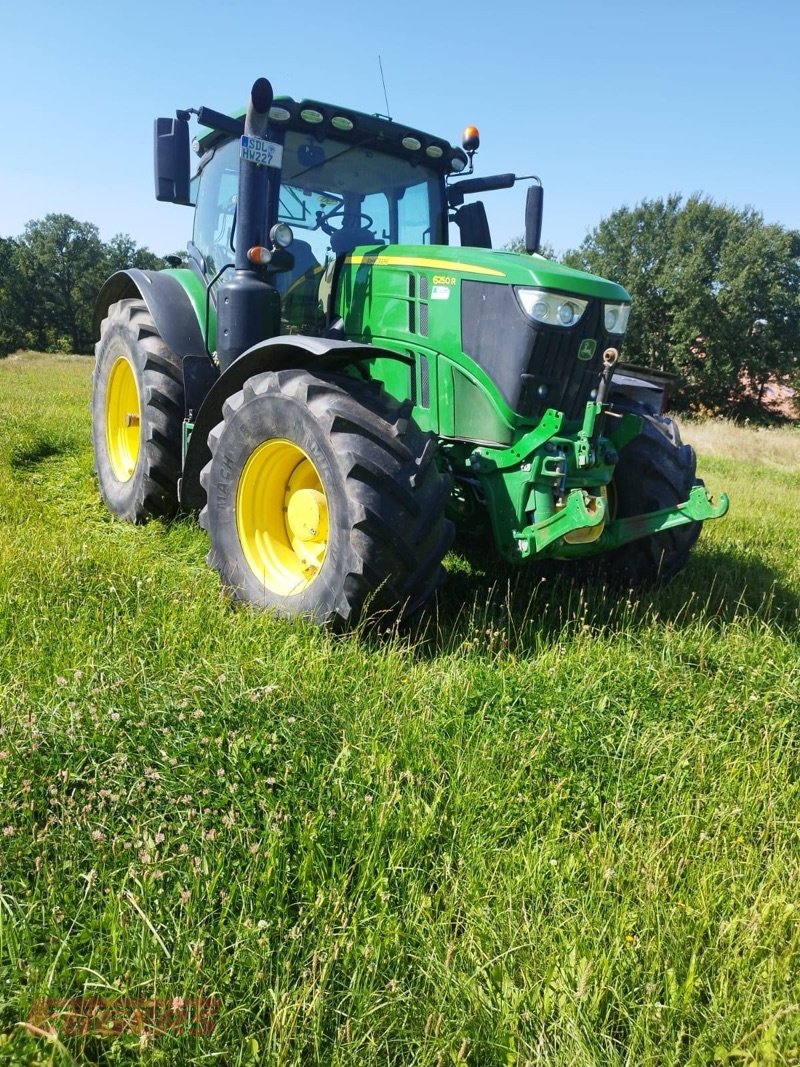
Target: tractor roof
[{"x": 318, "y": 120}]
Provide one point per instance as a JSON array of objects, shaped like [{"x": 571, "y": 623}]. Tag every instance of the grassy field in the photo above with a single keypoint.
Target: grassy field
[{"x": 562, "y": 830}]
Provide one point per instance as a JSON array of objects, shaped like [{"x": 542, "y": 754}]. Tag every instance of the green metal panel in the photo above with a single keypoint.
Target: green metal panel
[
  {"x": 398, "y": 378},
  {"x": 546, "y": 274},
  {"x": 408, "y": 297},
  {"x": 196, "y": 291},
  {"x": 477, "y": 414},
  {"x": 485, "y": 264}
]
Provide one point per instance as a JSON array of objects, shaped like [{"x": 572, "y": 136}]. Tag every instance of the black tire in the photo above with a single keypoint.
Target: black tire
[
  {"x": 383, "y": 493},
  {"x": 148, "y": 486},
  {"x": 655, "y": 470}
]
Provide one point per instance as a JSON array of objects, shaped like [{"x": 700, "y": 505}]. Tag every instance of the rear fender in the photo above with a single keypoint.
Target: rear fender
[
  {"x": 173, "y": 299},
  {"x": 176, "y": 300},
  {"x": 278, "y": 353}
]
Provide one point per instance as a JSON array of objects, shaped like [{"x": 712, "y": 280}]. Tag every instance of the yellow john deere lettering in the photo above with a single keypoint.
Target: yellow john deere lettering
[
  {"x": 414, "y": 261},
  {"x": 443, "y": 279}
]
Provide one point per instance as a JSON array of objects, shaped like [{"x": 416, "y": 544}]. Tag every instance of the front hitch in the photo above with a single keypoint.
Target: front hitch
[
  {"x": 700, "y": 507},
  {"x": 581, "y": 511}
]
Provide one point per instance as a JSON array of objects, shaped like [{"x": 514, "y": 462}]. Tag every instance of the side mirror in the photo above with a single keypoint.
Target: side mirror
[
  {"x": 533, "y": 218},
  {"x": 171, "y": 158},
  {"x": 473, "y": 226}
]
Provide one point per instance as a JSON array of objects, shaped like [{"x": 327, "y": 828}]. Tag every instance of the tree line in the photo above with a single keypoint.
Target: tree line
[
  {"x": 715, "y": 296},
  {"x": 716, "y": 292},
  {"x": 50, "y": 277}
]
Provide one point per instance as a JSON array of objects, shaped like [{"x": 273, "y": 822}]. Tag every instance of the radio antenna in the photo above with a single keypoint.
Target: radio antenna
[{"x": 385, "y": 94}]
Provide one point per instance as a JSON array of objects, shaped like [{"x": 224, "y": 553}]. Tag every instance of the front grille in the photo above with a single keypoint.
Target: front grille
[
  {"x": 523, "y": 357},
  {"x": 554, "y": 364}
]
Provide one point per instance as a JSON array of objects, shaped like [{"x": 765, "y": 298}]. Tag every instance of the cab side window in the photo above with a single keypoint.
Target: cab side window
[{"x": 216, "y": 208}]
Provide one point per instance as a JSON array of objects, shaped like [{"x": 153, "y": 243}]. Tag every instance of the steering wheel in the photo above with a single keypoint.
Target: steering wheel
[{"x": 365, "y": 220}]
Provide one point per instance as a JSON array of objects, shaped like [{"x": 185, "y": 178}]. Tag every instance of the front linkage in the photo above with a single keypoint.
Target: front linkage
[{"x": 552, "y": 492}]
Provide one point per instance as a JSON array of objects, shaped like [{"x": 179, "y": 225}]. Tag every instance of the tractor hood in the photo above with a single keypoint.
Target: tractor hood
[
  {"x": 523, "y": 269},
  {"x": 511, "y": 268},
  {"x": 468, "y": 306}
]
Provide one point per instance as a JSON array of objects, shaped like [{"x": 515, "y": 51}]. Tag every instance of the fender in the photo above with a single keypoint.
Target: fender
[
  {"x": 168, "y": 300},
  {"x": 649, "y": 389},
  {"x": 277, "y": 353}
]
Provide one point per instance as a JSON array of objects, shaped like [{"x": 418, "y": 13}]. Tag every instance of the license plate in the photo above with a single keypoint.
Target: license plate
[{"x": 257, "y": 150}]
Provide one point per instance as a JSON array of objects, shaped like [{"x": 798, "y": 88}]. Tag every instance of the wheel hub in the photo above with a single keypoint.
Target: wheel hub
[
  {"x": 123, "y": 419},
  {"x": 307, "y": 515},
  {"x": 282, "y": 517}
]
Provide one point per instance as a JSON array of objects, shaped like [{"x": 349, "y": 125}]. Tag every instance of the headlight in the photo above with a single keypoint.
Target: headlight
[
  {"x": 553, "y": 309},
  {"x": 281, "y": 235},
  {"x": 615, "y": 317}
]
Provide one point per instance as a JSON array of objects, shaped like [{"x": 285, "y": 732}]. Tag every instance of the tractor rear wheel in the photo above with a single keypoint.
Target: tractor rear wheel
[
  {"x": 137, "y": 415},
  {"x": 655, "y": 470},
  {"x": 324, "y": 500}
]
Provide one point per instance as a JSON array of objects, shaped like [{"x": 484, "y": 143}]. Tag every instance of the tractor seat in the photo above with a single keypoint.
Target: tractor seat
[
  {"x": 346, "y": 240},
  {"x": 304, "y": 262}
]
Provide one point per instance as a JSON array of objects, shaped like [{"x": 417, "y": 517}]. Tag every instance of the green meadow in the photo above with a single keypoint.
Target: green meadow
[{"x": 556, "y": 826}]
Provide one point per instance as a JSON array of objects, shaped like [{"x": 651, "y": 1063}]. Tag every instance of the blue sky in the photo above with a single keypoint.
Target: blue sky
[{"x": 609, "y": 103}]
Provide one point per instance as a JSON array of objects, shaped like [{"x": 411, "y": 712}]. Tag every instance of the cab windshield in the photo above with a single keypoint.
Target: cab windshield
[{"x": 335, "y": 195}]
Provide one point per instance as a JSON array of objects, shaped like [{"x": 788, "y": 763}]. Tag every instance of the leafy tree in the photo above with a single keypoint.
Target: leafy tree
[
  {"x": 122, "y": 252},
  {"x": 12, "y": 334},
  {"x": 716, "y": 294},
  {"x": 60, "y": 262},
  {"x": 50, "y": 277}
]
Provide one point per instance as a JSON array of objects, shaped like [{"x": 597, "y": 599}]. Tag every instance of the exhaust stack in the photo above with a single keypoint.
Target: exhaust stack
[{"x": 249, "y": 308}]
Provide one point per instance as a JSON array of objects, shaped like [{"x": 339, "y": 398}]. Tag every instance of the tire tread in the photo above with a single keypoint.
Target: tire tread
[{"x": 396, "y": 494}]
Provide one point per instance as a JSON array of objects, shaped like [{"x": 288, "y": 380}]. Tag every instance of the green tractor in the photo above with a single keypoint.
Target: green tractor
[{"x": 334, "y": 388}]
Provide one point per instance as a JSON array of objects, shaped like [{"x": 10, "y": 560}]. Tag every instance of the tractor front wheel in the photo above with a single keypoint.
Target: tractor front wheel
[
  {"x": 137, "y": 415},
  {"x": 655, "y": 470},
  {"x": 324, "y": 500}
]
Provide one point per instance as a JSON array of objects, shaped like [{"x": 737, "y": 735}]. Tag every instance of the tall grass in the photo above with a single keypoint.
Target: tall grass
[
  {"x": 777, "y": 448},
  {"x": 557, "y": 828}
]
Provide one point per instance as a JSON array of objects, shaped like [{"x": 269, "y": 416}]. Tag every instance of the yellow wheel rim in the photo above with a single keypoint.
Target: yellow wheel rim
[
  {"x": 123, "y": 419},
  {"x": 282, "y": 517}
]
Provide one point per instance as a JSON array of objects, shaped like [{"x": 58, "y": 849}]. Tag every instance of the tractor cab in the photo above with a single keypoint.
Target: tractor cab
[
  {"x": 341, "y": 180},
  {"x": 335, "y": 196}
]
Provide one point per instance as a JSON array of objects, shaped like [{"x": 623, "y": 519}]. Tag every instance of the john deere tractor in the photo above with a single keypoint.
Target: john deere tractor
[{"x": 332, "y": 386}]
